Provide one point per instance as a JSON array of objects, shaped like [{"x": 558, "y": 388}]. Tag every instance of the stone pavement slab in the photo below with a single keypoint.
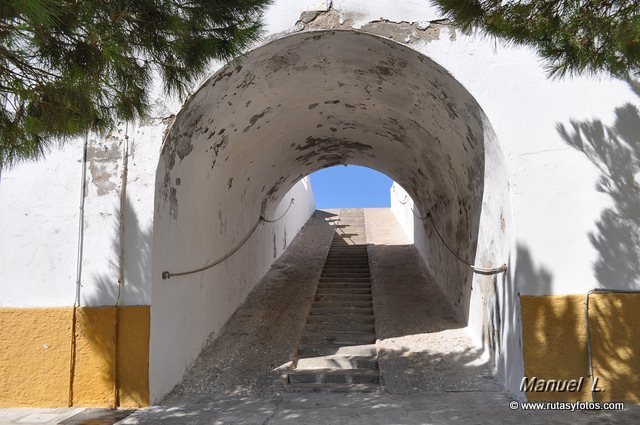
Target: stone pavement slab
[{"x": 364, "y": 409}]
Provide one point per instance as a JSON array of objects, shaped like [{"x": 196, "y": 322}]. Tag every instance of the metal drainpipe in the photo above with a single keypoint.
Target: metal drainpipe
[
  {"x": 586, "y": 319},
  {"x": 116, "y": 324},
  {"x": 76, "y": 299}
]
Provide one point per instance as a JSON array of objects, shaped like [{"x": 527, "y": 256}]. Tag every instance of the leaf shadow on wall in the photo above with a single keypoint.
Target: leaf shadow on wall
[{"x": 615, "y": 150}]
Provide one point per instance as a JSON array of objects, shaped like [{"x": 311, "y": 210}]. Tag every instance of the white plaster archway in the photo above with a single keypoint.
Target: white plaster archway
[{"x": 291, "y": 107}]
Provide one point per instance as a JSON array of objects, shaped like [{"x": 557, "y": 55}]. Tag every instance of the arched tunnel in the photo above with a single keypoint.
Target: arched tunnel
[{"x": 291, "y": 107}]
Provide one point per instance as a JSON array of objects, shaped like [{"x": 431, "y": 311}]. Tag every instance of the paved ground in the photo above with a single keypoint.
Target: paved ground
[
  {"x": 430, "y": 371},
  {"x": 339, "y": 409}
]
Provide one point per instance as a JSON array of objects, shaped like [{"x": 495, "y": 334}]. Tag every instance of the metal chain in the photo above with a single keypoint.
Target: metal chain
[{"x": 479, "y": 270}]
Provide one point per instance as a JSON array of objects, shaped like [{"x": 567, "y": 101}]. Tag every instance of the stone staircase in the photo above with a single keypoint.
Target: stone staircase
[{"x": 337, "y": 350}]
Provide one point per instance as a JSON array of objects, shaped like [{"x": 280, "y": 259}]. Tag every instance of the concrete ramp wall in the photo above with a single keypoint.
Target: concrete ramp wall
[{"x": 190, "y": 310}]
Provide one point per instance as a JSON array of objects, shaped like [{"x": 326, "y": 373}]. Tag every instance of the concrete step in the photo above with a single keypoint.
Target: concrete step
[
  {"x": 347, "y": 283},
  {"x": 332, "y": 376},
  {"x": 346, "y": 268},
  {"x": 321, "y": 350},
  {"x": 347, "y": 276},
  {"x": 342, "y": 304},
  {"x": 343, "y": 297},
  {"x": 342, "y": 261},
  {"x": 341, "y": 291},
  {"x": 332, "y": 388},
  {"x": 339, "y": 267},
  {"x": 347, "y": 261},
  {"x": 342, "y": 281},
  {"x": 349, "y": 249},
  {"x": 338, "y": 339},
  {"x": 345, "y": 279},
  {"x": 338, "y": 362},
  {"x": 340, "y": 327},
  {"x": 361, "y": 319},
  {"x": 339, "y": 311},
  {"x": 344, "y": 285},
  {"x": 333, "y": 330},
  {"x": 341, "y": 253},
  {"x": 333, "y": 286},
  {"x": 346, "y": 258}
]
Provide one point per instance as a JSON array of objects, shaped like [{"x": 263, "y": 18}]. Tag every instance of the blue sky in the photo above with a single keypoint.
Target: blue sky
[{"x": 350, "y": 187}]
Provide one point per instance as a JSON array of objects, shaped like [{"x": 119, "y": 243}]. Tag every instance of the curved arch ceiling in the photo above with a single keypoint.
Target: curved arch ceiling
[{"x": 312, "y": 100}]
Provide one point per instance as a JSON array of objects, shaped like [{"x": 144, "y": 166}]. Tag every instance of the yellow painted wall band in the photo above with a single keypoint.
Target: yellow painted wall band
[
  {"x": 554, "y": 344},
  {"x": 35, "y": 355}
]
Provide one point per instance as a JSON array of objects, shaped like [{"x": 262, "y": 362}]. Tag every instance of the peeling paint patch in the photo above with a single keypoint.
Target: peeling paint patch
[
  {"x": 273, "y": 190},
  {"x": 218, "y": 147},
  {"x": 104, "y": 159},
  {"x": 184, "y": 147},
  {"x": 335, "y": 150},
  {"x": 408, "y": 32},
  {"x": 402, "y": 32},
  {"x": 227, "y": 74},
  {"x": 284, "y": 240},
  {"x": 275, "y": 247},
  {"x": 173, "y": 203},
  {"x": 254, "y": 119}
]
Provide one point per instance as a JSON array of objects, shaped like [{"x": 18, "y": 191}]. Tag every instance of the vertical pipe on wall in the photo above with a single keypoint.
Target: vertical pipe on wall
[
  {"x": 123, "y": 203},
  {"x": 588, "y": 330},
  {"x": 76, "y": 299}
]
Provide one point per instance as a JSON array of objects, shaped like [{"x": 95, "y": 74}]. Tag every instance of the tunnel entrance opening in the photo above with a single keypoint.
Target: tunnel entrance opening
[
  {"x": 243, "y": 143},
  {"x": 350, "y": 187}
]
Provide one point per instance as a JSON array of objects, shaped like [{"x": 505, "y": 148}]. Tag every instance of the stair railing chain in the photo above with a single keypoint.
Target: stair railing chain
[
  {"x": 262, "y": 219},
  {"x": 476, "y": 269}
]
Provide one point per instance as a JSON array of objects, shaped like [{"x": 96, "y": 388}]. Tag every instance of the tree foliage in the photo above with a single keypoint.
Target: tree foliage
[
  {"x": 71, "y": 65},
  {"x": 572, "y": 36}
]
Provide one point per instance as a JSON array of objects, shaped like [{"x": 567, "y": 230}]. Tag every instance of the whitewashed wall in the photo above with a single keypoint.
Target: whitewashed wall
[
  {"x": 202, "y": 303},
  {"x": 560, "y": 231}
]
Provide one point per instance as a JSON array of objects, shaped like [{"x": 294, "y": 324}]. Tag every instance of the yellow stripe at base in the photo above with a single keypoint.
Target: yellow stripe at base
[
  {"x": 35, "y": 350},
  {"x": 555, "y": 346}
]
